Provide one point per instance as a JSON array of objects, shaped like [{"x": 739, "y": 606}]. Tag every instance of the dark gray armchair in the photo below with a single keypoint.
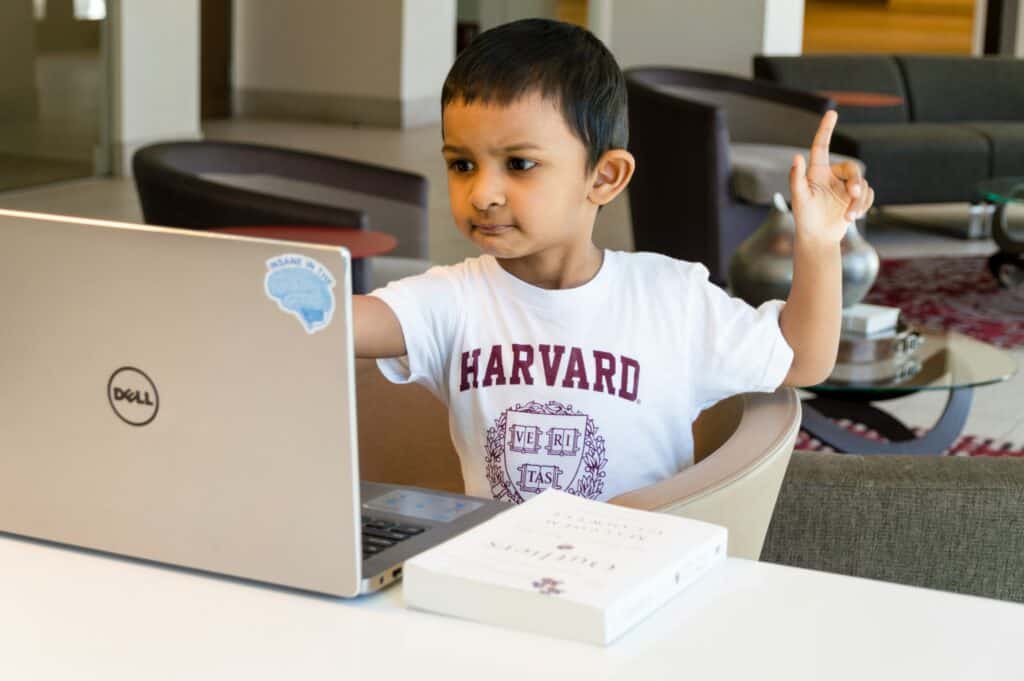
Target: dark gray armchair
[
  {"x": 711, "y": 150},
  {"x": 202, "y": 184}
]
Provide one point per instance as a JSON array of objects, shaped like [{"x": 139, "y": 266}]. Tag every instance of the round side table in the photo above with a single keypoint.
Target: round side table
[
  {"x": 946, "y": 360},
  {"x": 360, "y": 243}
]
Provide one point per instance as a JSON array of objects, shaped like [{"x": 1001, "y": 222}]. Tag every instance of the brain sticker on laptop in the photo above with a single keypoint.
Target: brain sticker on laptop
[{"x": 301, "y": 287}]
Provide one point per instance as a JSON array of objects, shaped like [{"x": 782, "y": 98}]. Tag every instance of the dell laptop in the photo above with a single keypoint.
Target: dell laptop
[{"x": 189, "y": 398}]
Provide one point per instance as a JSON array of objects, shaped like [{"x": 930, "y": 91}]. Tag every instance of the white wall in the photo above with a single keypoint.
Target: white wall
[
  {"x": 599, "y": 19},
  {"x": 496, "y": 12},
  {"x": 783, "y": 27},
  {"x": 716, "y": 35},
  {"x": 380, "y": 62},
  {"x": 978, "y": 27},
  {"x": 428, "y": 48},
  {"x": 155, "y": 75},
  {"x": 318, "y": 46},
  {"x": 1019, "y": 48}
]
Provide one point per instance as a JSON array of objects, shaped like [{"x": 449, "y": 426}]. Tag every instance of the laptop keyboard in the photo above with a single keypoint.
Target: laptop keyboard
[{"x": 380, "y": 534}]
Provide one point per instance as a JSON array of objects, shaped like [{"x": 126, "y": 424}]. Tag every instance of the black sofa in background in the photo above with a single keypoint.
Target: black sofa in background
[{"x": 961, "y": 120}]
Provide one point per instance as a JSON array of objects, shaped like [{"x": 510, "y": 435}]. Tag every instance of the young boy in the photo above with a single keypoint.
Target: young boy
[{"x": 564, "y": 365}]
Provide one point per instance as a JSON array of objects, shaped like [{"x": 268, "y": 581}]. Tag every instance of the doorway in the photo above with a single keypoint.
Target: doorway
[{"x": 53, "y": 92}]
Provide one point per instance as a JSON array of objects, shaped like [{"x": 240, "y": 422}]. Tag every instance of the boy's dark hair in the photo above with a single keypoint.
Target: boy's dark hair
[{"x": 560, "y": 61}]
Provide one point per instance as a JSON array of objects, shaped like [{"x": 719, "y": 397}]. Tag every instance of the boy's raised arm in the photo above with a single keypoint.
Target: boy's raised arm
[
  {"x": 826, "y": 198},
  {"x": 375, "y": 329}
]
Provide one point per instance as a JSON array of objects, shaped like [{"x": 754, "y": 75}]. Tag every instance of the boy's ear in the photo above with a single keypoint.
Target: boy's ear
[{"x": 612, "y": 174}]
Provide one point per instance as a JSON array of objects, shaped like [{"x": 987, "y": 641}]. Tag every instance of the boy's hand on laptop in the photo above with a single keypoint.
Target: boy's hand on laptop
[{"x": 827, "y": 197}]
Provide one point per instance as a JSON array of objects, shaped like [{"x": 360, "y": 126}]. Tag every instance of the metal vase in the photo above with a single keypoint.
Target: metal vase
[{"x": 762, "y": 267}]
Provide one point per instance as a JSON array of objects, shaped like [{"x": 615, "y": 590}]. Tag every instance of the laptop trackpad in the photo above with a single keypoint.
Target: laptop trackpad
[{"x": 422, "y": 505}]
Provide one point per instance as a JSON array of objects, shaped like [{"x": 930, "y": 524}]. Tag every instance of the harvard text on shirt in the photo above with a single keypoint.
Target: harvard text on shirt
[{"x": 556, "y": 365}]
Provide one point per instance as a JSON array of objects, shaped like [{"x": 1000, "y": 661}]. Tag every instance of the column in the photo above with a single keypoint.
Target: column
[
  {"x": 698, "y": 34},
  {"x": 154, "y": 80},
  {"x": 349, "y": 61}
]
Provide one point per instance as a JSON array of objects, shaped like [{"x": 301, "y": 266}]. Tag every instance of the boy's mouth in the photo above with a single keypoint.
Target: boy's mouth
[{"x": 491, "y": 228}]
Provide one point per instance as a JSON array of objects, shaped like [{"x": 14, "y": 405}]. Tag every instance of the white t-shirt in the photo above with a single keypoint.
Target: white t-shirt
[{"x": 591, "y": 390}]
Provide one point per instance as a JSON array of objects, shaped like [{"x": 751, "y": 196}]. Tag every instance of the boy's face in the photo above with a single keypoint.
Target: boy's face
[{"x": 517, "y": 178}]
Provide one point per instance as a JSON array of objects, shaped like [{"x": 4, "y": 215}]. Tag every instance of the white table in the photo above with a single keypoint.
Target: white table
[{"x": 70, "y": 614}]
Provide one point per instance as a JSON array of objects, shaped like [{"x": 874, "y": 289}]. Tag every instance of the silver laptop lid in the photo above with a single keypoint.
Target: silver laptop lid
[{"x": 181, "y": 397}]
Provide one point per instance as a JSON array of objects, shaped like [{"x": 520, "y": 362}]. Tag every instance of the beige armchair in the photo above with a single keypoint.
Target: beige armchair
[{"x": 742, "y": 447}]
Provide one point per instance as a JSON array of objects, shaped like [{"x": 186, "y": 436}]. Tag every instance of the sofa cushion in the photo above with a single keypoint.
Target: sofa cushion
[
  {"x": 942, "y": 88},
  {"x": 939, "y": 522},
  {"x": 917, "y": 162},
  {"x": 1007, "y": 140},
  {"x": 856, "y": 73},
  {"x": 757, "y": 171}
]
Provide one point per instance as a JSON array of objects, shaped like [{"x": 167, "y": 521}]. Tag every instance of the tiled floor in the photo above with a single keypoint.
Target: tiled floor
[{"x": 998, "y": 410}]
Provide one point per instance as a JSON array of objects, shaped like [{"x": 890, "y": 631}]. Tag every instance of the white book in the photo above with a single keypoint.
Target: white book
[
  {"x": 869, "y": 319},
  {"x": 564, "y": 566}
]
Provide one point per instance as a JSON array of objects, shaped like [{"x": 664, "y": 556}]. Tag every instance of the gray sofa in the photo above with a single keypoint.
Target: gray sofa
[
  {"x": 961, "y": 119},
  {"x": 940, "y": 522}
]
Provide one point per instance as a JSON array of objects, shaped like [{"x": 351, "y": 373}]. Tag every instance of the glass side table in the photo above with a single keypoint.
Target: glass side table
[
  {"x": 945, "y": 360},
  {"x": 1007, "y": 265}
]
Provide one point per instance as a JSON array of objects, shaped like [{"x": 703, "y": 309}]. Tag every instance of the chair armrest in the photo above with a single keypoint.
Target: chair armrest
[
  {"x": 672, "y": 77},
  {"x": 173, "y": 198},
  {"x": 941, "y": 522},
  {"x": 681, "y": 151},
  {"x": 737, "y": 484},
  {"x": 757, "y": 112}
]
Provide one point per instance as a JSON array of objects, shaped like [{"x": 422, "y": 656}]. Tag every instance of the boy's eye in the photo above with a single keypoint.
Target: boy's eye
[
  {"x": 520, "y": 164},
  {"x": 460, "y": 165}
]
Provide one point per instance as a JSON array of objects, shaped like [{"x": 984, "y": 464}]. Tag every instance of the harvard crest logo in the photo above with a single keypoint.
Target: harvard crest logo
[{"x": 533, "y": 447}]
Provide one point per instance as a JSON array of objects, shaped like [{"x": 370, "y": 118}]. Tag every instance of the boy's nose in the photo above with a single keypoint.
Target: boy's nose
[{"x": 487, "y": 193}]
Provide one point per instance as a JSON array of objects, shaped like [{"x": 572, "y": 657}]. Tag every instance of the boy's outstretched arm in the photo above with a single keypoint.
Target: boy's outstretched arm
[
  {"x": 826, "y": 198},
  {"x": 375, "y": 329}
]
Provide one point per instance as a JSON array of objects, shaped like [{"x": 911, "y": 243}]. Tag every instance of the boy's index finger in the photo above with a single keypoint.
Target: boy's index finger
[{"x": 822, "y": 139}]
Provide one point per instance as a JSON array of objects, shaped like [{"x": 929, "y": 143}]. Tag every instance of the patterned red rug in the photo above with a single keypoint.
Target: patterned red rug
[
  {"x": 956, "y": 293},
  {"x": 952, "y": 293}
]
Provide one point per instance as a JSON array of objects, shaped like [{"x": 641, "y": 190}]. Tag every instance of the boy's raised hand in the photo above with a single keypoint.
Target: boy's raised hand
[{"x": 826, "y": 198}]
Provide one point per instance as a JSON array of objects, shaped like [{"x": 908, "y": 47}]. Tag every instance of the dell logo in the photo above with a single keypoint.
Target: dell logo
[{"x": 133, "y": 396}]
